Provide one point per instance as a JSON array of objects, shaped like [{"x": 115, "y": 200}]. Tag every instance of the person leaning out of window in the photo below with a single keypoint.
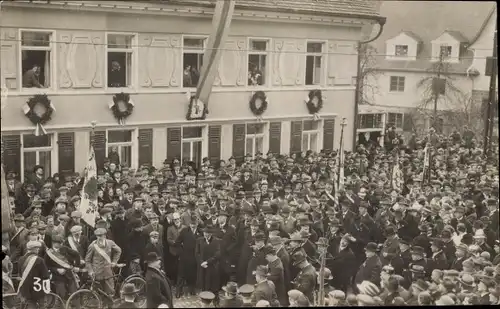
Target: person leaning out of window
[{"x": 31, "y": 78}]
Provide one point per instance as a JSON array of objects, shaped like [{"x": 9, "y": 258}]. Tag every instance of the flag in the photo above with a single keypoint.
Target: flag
[
  {"x": 397, "y": 176},
  {"x": 221, "y": 21},
  {"x": 427, "y": 164},
  {"x": 6, "y": 218},
  {"x": 88, "y": 205},
  {"x": 340, "y": 184}
]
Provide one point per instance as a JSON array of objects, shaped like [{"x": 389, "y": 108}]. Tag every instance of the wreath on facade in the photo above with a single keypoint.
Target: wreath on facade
[
  {"x": 197, "y": 110},
  {"x": 39, "y": 110},
  {"x": 121, "y": 106},
  {"x": 314, "y": 102},
  {"x": 258, "y": 96}
]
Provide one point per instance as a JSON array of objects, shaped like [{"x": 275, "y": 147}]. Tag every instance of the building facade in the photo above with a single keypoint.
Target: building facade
[
  {"x": 407, "y": 58},
  {"x": 88, "y": 51}
]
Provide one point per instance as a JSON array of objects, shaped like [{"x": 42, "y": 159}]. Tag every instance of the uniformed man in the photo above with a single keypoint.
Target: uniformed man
[
  {"x": 306, "y": 280},
  {"x": 34, "y": 272},
  {"x": 246, "y": 292},
  {"x": 62, "y": 262},
  {"x": 102, "y": 255},
  {"x": 206, "y": 298}
]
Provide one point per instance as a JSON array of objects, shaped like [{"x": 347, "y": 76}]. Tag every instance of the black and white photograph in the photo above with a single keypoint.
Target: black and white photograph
[{"x": 249, "y": 153}]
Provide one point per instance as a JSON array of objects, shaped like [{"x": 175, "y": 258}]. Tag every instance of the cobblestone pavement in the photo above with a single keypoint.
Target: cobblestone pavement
[{"x": 187, "y": 302}]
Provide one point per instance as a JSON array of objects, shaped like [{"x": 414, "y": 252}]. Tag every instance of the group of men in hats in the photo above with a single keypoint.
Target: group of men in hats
[{"x": 267, "y": 231}]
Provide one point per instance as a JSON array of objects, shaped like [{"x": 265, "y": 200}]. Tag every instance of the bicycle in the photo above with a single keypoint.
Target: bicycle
[
  {"x": 91, "y": 295},
  {"x": 14, "y": 300}
]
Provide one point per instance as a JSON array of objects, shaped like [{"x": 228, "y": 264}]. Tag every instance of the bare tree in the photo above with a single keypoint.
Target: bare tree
[
  {"x": 456, "y": 107},
  {"x": 369, "y": 74}
]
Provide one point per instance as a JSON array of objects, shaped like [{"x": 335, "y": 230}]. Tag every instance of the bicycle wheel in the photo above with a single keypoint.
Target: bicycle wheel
[
  {"x": 83, "y": 299},
  {"x": 140, "y": 286},
  {"x": 52, "y": 301},
  {"x": 11, "y": 301}
]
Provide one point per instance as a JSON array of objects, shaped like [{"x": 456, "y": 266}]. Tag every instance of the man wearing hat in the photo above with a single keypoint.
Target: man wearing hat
[
  {"x": 264, "y": 289},
  {"x": 227, "y": 234},
  {"x": 231, "y": 299},
  {"x": 306, "y": 279},
  {"x": 62, "y": 261},
  {"x": 33, "y": 270},
  {"x": 128, "y": 294},
  {"x": 438, "y": 259},
  {"x": 258, "y": 256},
  {"x": 207, "y": 254},
  {"x": 372, "y": 266},
  {"x": 17, "y": 237},
  {"x": 246, "y": 292},
  {"x": 276, "y": 273},
  {"x": 136, "y": 244},
  {"x": 188, "y": 264},
  {"x": 158, "y": 288},
  {"x": 77, "y": 241},
  {"x": 102, "y": 255},
  {"x": 154, "y": 225}
]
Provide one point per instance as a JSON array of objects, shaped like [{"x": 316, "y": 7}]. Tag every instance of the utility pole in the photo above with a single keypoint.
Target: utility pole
[{"x": 488, "y": 123}]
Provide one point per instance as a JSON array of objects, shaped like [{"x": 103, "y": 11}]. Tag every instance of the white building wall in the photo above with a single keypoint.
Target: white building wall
[{"x": 483, "y": 48}]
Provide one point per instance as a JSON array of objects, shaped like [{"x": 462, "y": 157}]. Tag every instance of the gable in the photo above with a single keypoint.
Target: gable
[
  {"x": 446, "y": 37},
  {"x": 403, "y": 38}
]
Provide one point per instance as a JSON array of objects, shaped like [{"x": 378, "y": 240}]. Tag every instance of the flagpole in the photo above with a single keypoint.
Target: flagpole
[{"x": 341, "y": 152}]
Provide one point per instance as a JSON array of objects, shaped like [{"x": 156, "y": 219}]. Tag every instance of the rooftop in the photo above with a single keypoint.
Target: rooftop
[{"x": 430, "y": 19}]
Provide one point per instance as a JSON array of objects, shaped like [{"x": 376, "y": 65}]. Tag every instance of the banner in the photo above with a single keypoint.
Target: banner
[
  {"x": 340, "y": 185},
  {"x": 221, "y": 21},
  {"x": 6, "y": 218},
  {"x": 397, "y": 176},
  {"x": 88, "y": 205},
  {"x": 427, "y": 165}
]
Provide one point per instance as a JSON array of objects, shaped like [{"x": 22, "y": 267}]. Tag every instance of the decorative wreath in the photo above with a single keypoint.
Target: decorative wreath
[
  {"x": 197, "y": 110},
  {"x": 39, "y": 109},
  {"x": 261, "y": 96},
  {"x": 314, "y": 101},
  {"x": 121, "y": 106}
]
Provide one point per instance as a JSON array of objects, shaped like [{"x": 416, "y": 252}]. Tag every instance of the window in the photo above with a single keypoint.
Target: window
[
  {"x": 120, "y": 54},
  {"x": 310, "y": 135},
  {"x": 254, "y": 139},
  {"x": 445, "y": 51},
  {"x": 36, "y": 62},
  {"x": 192, "y": 139},
  {"x": 257, "y": 62},
  {"x": 402, "y": 50},
  {"x": 370, "y": 121},
  {"x": 397, "y": 84},
  {"x": 193, "y": 60},
  {"x": 395, "y": 119},
  {"x": 37, "y": 150},
  {"x": 120, "y": 147},
  {"x": 314, "y": 59}
]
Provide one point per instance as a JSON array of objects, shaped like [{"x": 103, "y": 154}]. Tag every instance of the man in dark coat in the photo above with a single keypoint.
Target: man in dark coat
[
  {"x": 264, "y": 289},
  {"x": 276, "y": 274},
  {"x": 423, "y": 240},
  {"x": 258, "y": 258},
  {"x": 371, "y": 268},
  {"x": 438, "y": 259},
  {"x": 207, "y": 253},
  {"x": 306, "y": 279},
  {"x": 187, "y": 258},
  {"x": 119, "y": 230},
  {"x": 342, "y": 265},
  {"x": 282, "y": 253},
  {"x": 36, "y": 272},
  {"x": 227, "y": 235},
  {"x": 136, "y": 244},
  {"x": 158, "y": 289},
  {"x": 231, "y": 298}
]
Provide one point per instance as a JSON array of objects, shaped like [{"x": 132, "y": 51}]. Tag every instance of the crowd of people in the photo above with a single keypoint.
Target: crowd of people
[{"x": 269, "y": 230}]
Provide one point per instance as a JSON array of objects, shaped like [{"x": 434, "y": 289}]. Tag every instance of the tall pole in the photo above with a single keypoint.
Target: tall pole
[
  {"x": 321, "y": 296},
  {"x": 488, "y": 125},
  {"x": 341, "y": 152},
  {"x": 436, "y": 91}
]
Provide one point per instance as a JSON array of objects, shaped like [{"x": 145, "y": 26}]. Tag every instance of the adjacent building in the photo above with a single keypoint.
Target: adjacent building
[
  {"x": 88, "y": 51},
  {"x": 417, "y": 38}
]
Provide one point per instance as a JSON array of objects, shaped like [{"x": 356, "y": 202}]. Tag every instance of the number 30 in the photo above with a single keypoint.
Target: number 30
[{"x": 45, "y": 285}]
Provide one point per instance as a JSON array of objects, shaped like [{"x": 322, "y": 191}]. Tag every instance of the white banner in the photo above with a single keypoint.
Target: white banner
[{"x": 88, "y": 205}]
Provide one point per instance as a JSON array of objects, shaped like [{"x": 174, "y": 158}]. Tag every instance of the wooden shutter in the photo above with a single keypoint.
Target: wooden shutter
[
  {"x": 66, "y": 150},
  {"x": 174, "y": 146},
  {"x": 239, "y": 131},
  {"x": 296, "y": 137},
  {"x": 214, "y": 136},
  {"x": 275, "y": 137},
  {"x": 328, "y": 134},
  {"x": 99, "y": 144},
  {"x": 146, "y": 147},
  {"x": 12, "y": 154}
]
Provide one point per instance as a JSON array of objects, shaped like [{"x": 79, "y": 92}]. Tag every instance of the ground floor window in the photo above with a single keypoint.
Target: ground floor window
[
  {"x": 37, "y": 150},
  {"x": 120, "y": 147},
  {"x": 254, "y": 138},
  {"x": 192, "y": 145},
  {"x": 310, "y": 135}
]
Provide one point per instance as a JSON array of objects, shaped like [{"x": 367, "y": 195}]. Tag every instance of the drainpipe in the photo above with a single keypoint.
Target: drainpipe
[{"x": 381, "y": 23}]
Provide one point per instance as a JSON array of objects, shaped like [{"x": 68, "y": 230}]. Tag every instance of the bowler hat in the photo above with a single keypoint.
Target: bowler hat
[
  {"x": 206, "y": 297},
  {"x": 152, "y": 257},
  {"x": 129, "y": 289},
  {"x": 298, "y": 257},
  {"x": 371, "y": 246},
  {"x": 231, "y": 288}
]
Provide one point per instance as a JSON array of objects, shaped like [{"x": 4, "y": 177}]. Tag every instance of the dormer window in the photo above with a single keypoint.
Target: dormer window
[
  {"x": 401, "y": 50},
  {"x": 445, "y": 51}
]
